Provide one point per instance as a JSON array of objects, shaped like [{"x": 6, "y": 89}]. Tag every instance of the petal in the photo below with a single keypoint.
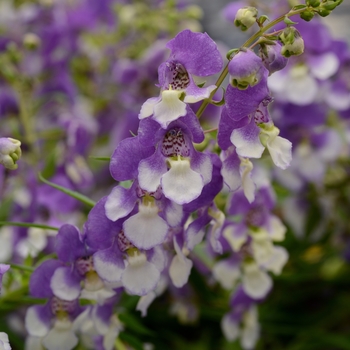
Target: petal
[
  {"x": 195, "y": 93},
  {"x": 120, "y": 202},
  {"x": 179, "y": 271},
  {"x": 324, "y": 66},
  {"x": 181, "y": 184},
  {"x": 68, "y": 244},
  {"x": 197, "y": 52},
  {"x": 230, "y": 328},
  {"x": 169, "y": 108},
  {"x": 109, "y": 265},
  {"x": 201, "y": 164},
  {"x": 37, "y": 320},
  {"x": 302, "y": 90},
  {"x": 150, "y": 172},
  {"x": 236, "y": 235},
  {"x": 256, "y": 283},
  {"x": 126, "y": 158},
  {"x": 146, "y": 229},
  {"x": 231, "y": 169},
  {"x": 60, "y": 336},
  {"x": 277, "y": 260},
  {"x": 248, "y": 184},
  {"x": 65, "y": 284},
  {"x": 194, "y": 126},
  {"x": 148, "y": 106},
  {"x": 247, "y": 141},
  {"x": 226, "y": 273},
  {"x": 140, "y": 276},
  {"x": 281, "y": 151},
  {"x": 144, "y": 303},
  {"x": 173, "y": 213}
]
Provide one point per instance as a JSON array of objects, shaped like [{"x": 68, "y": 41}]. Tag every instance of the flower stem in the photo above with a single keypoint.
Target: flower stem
[{"x": 254, "y": 37}]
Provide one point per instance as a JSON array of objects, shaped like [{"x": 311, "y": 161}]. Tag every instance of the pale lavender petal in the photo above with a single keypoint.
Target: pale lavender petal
[{"x": 65, "y": 284}]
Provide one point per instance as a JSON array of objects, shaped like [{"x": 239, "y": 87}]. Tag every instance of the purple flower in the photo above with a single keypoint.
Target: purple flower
[
  {"x": 3, "y": 269},
  {"x": 191, "y": 53}
]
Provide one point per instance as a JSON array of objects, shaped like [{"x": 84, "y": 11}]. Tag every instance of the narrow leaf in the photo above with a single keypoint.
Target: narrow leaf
[
  {"x": 288, "y": 21},
  {"x": 134, "y": 324},
  {"x": 28, "y": 224},
  {"x": 80, "y": 197}
]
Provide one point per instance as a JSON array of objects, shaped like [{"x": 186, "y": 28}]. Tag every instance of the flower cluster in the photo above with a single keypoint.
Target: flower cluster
[{"x": 182, "y": 201}]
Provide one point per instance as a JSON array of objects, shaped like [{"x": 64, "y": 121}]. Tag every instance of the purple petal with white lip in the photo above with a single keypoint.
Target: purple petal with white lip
[
  {"x": 247, "y": 141},
  {"x": 65, "y": 284},
  {"x": 38, "y": 320},
  {"x": 126, "y": 158},
  {"x": 195, "y": 93},
  {"x": 151, "y": 170},
  {"x": 197, "y": 52},
  {"x": 39, "y": 284},
  {"x": 202, "y": 164},
  {"x": 109, "y": 264},
  {"x": 172, "y": 212},
  {"x": 241, "y": 103},
  {"x": 120, "y": 202},
  {"x": 195, "y": 231},
  {"x": 68, "y": 244},
  {"x": 210, "y": 190},
  {"x": 226, "y": 125},
  {"x": 230, "y": 169},
  {"x": 146, "y": 229},
  {"x": 99, "y": 230}
]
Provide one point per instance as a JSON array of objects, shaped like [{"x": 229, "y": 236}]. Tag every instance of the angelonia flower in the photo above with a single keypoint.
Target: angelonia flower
[
  {"x": 3, "y": 269},
  {"x": 4, "y": 341},
  {"x": 293, "y": 43}
]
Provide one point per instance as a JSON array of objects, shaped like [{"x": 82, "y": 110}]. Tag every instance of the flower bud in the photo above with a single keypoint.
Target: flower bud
[
  {"x": 31, "y": 41},
  {"x": 10, "y": 152},
  {"x": 313, "y": 3},
  {"x": 272, "y": 58},
  {"x": 293, "y": 43},
  {"x": 246, "y": 69},
  {"x": 323, "y": 12},
  {"x": 307, "y": 15},
  {"x": 246, "y": 17},
  {"x": 330, "y": 5}
]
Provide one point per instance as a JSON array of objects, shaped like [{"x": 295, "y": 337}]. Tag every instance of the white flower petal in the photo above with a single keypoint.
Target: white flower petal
[
  {"x": 146, "y": 229},
  {"x": 280, "y": 150},
  {"x": 117, "y": 204},
  {"x": 34, "y": 324},
  {"x": 324, "y": 66},
  {"x": 140, "y": 276},
  {"x": 229, "y": 328},
  {"x": 144, "y": 302},
  {"x": 63, "y": 285},
  {"x": 148, "y": 106},
  {"x": 179, "y": 270},
  {"x": 226, "y": 274},
  {"x": 256, "y": 283},
  {"x": 60, "y": 336},
  {"x": 169, "y": 108},
  {"x": 181, "y": 184},
  {"x": 277, "y": 261},
  {"x": 301, "y": 90}
]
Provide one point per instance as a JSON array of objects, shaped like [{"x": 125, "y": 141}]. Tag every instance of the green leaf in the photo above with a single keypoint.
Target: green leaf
[
  {"x": 131, "y": 340},
  {"x": 288, "y": 21},
  {"x": 80, "y": 197},
  {"x": 299, "y": 7},
  {"x": 201, "y": 84},
  {"x": 105, "y": 159},
  {"x": 28, "y": 224},
  {"x": 230, "y": 52},
  {"x": 263, "y": 19},
  {"x": 134, "y": 324}
]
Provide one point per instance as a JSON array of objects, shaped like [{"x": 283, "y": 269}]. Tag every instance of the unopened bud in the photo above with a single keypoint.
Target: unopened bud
[
  {"x": 31, "y": 41},
  {"x": 246, "y": 17},
  {"x": 313, "y": 3},
  {"x": 245, "y": 69},
  {"x": 307, "y": 15},
  {"x": 10, "y": 152},
  {"x": 293, "y": 43},
  {"x": 330, "y": 5},
  {"x": 323, "y": 12},
  {"x": 272, "y": 58}
]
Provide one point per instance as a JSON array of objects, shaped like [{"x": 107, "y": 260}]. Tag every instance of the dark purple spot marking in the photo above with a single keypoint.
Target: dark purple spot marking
[{"x": 174, "y": 144}]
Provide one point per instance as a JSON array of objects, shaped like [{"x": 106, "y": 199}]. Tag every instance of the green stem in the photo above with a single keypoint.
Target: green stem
[
  {"x": 246, "y": 44},
  {"x": 28, "y": 224}
]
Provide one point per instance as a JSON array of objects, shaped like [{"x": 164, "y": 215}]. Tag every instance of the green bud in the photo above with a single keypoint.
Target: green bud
[
  {"x": 10, "y": 152},
  {"x": 243, "y": 83},
  {"x": 246, "y": 17},
  {"x": 293, "y": 43},
  {"x": 330, "y": 5},
  {"x": 313, "y": 3},
  {"x": 307, "y": 15},
  {"x": 31, "y": 41},
  {"x": 323, "y": 12}
]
